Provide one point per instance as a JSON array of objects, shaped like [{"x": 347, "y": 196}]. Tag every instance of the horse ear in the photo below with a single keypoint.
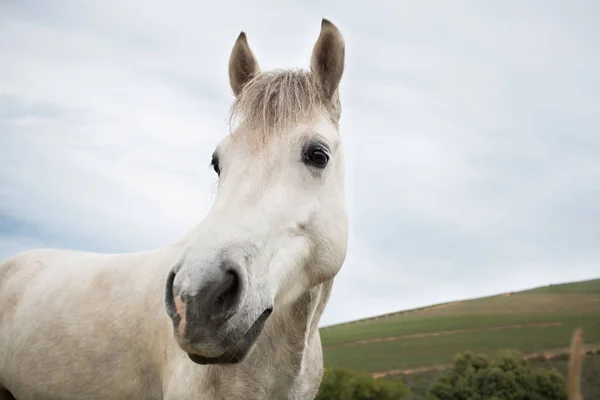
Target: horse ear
[
  {"x": 327, "y": 62},
  {"x": 242, "y": 64}
]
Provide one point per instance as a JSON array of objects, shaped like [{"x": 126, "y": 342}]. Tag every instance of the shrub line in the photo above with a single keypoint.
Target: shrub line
[{"x": 546, "y": 354}]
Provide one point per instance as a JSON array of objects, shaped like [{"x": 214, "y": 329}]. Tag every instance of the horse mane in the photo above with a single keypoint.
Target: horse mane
[{"x": 276, "y": 100}]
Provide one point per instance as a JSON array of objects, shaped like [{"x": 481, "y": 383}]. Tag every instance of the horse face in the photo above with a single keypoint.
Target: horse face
[{"x": 279, "y": 225}]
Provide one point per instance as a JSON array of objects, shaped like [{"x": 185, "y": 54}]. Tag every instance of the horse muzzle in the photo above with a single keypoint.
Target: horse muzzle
[{"x": 209, "y": 312}]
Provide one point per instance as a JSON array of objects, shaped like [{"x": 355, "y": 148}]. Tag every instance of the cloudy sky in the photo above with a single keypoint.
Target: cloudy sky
[{"x": 471, "y": 133}]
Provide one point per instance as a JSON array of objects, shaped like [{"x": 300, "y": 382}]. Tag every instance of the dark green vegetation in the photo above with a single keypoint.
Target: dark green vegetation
[
  {"x": 420, "y": 383},
  {"x": 509, "y": 377},
  {"x": 342, "y": 384},
  {"x": 590, "y": 377},
  {"x": 530, "y": 321}
]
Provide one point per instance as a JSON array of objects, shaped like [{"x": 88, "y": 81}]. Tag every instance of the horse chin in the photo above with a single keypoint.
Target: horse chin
[
  {"x": 223, "y": 359},
  {"x": 240, "y": 349}
]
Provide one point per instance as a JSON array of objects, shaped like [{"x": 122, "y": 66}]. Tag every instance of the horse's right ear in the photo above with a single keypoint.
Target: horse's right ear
[{"x": 242, "y": 65}]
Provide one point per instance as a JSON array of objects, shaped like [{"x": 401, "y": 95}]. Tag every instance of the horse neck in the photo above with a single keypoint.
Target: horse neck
[
  {"x": 319, "y": 303},
  {"x": 297, "y": 324}
]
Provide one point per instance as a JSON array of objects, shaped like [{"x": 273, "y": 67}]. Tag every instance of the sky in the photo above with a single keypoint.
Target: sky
[{"x": 470, "y": 131}]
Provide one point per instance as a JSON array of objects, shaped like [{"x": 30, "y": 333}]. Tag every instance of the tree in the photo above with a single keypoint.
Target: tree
[
  {"x": 476, "y": 377},
  {"x": 343, "y": 384}
]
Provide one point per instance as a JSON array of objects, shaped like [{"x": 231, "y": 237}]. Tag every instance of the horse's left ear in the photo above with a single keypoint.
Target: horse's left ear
[
  {"x": 327, "y": 61},
  {"x": 242, "y": 64}
]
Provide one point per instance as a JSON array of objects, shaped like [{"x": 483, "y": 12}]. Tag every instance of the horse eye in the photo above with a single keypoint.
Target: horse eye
[
  {"x": 215, "y": 164},
  {"x": 316, "y": 155}
]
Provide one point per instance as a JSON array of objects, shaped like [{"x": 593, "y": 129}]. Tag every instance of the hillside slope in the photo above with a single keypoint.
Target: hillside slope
[{"x": 530, "y": 321}]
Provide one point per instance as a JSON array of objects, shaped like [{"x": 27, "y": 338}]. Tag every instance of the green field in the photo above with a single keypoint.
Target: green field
[{"x": 431, "y": 336}]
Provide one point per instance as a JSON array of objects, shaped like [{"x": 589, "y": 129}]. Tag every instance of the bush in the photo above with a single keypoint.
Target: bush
[
  {"x": 475, "y": 377},
  {"x": 343, "y": 384}
]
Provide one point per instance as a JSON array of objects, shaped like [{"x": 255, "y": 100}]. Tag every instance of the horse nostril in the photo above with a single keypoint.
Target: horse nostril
[
  {"x": 227, "y": 295},
  {"x": 169, "y": 297},
  {"x": 195, "y": 304}
]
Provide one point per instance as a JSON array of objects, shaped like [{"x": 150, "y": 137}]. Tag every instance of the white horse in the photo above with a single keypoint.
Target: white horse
[{"x": 231, "y": 310}]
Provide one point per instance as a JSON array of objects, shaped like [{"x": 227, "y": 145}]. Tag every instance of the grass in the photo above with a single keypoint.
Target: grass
[
  {"x": 572, "y": 305},
  {"x": 424, "y": 324},
  {"x": 417, "y": 352},
  {"x": 591, "y": 287}
]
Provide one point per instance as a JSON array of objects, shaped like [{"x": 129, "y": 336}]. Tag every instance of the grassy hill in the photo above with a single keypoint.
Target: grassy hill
[{"x": 531, "y": 321}]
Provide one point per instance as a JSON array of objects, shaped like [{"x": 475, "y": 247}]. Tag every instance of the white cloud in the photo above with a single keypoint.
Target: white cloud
[{"x": 470, "y": 130}]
